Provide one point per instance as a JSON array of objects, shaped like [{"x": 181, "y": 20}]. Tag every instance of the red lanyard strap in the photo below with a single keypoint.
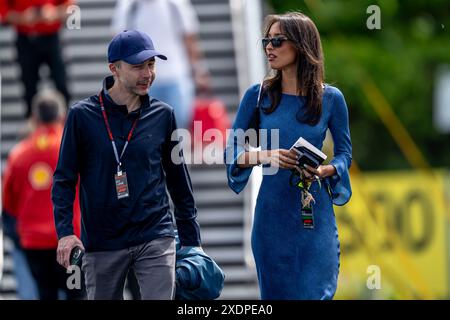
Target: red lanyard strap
[{"x": 111, "y": 137}]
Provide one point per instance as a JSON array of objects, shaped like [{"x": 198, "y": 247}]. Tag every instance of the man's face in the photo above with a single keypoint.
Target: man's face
[{"x": 135, "y": 78}]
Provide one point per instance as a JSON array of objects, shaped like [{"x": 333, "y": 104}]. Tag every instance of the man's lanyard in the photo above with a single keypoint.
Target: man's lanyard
[{"x": 105, "y": 118}]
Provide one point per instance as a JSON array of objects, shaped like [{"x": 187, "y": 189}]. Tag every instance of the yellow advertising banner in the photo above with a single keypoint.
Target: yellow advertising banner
[{"x": 393, "y": 237}]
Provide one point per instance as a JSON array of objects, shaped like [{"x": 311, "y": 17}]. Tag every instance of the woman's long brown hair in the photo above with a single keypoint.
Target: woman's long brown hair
[{"x": 304, "y": 36}]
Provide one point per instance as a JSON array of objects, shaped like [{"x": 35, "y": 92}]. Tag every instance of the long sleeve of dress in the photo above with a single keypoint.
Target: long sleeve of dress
[
  {"x": 238, "y": 177},
  {"x": 341, "y": 190}
]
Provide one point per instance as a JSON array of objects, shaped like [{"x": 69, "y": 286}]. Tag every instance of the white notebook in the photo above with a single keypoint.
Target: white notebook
[{"x": 308, "y": 153}]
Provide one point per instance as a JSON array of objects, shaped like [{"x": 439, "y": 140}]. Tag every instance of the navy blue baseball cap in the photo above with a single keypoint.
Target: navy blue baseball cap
[{"x": 133, "y": 47}]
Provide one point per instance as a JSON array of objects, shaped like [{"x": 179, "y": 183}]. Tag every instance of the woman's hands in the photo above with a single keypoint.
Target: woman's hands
[
  {"x": 284, "y": 159},
  {"x": 321, "y": 172},
  {"x": 281, "y": 158}
]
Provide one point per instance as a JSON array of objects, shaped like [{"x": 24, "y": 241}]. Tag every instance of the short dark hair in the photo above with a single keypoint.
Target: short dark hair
[{"x": 48, "y": 106}]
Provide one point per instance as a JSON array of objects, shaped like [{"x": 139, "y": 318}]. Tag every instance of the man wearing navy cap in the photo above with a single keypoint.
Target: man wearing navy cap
[{"x": 120, "y": 144}]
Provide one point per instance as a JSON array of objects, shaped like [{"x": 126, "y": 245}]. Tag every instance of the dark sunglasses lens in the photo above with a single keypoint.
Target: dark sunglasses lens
[{"x": 276, "y": 42}]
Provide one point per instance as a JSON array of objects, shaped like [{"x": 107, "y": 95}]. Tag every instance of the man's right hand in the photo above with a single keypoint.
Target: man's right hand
[{"x": 65, "y": 246}]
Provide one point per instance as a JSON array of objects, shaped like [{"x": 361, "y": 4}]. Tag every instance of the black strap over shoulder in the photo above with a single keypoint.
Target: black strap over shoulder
[{"x": 255, "y": 121}]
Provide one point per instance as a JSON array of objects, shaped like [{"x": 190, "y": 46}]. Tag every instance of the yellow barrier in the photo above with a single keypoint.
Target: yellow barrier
[{"x": 395, "y": 224}]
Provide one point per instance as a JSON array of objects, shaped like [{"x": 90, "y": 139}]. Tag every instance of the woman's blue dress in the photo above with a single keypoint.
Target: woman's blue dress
[{"x": 293, "y": 262}]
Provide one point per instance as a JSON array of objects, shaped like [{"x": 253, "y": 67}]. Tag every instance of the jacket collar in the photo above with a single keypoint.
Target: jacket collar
[{"x": 108, "y": 82}]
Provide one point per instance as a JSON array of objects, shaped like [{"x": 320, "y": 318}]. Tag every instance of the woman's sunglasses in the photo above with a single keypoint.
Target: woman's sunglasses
[{"x": 275, "y": 41}]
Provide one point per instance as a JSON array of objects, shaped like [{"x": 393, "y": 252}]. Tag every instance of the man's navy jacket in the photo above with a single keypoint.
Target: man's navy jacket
[{"x": 87, "y": 153}]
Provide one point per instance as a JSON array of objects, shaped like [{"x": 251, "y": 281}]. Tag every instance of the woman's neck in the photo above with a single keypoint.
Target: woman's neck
[
  {"x": 121, "y": 96},
  {"x": 289, "y": 81}
]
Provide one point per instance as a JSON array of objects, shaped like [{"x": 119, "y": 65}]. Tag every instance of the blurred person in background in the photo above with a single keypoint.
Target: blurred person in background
[
  {"x": 173, "y": 26},
  {"x": 25, "y": 285},
  {"x": 27, "y": 201},
  {"x": 37, "y": 24},
  {"x": 294, "y": 238}
]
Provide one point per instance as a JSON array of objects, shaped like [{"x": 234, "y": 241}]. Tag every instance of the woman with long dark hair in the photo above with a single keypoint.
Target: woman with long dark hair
[{"x": 296, "y": 257}]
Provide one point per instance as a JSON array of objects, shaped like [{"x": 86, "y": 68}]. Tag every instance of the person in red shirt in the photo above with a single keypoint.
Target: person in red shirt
[
  {"x": 27, "y": 196},
  {"x": 37, "y": 23}
]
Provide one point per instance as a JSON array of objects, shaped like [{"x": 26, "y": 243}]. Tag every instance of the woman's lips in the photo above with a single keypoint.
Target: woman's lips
[{"x": 271, "y": 57}]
